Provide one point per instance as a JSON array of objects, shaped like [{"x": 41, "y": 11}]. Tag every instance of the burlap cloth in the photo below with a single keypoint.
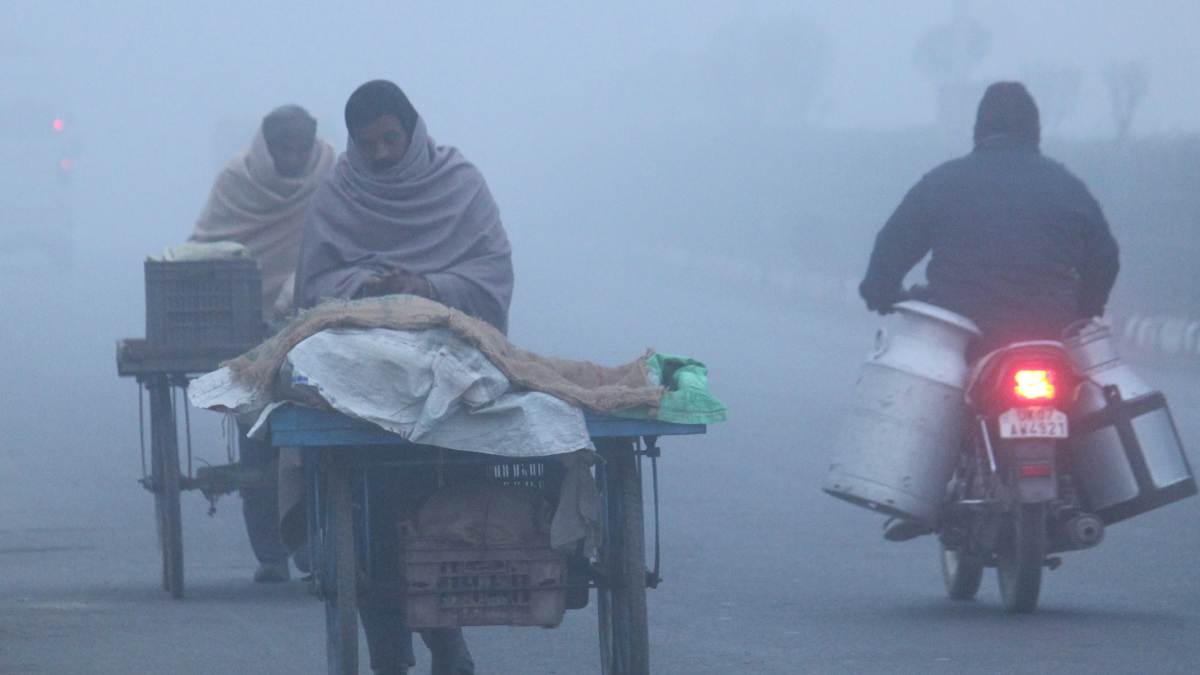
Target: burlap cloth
[{"x": 585, "y": 384}]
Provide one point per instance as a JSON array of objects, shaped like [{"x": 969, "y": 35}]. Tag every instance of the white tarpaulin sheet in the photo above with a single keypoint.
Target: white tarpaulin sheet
[
  {"x": 427, "y": 386},
  {"x": 430, "y": 387}
]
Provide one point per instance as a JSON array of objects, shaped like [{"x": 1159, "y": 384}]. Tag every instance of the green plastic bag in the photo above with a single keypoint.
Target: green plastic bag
[{"x": 687, "y": 399}]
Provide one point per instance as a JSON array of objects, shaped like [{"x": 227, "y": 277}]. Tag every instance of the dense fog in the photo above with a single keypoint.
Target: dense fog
[
  {"x": 656, "y": 164},
  {"x": 705, "y": 141}
]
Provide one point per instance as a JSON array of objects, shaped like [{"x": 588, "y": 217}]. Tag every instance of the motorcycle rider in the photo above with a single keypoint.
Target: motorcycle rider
[{"x": 1017, "y": 243}]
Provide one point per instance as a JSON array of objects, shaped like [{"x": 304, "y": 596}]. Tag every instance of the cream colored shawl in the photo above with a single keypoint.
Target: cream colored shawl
[{"x": 255, "y": 206}]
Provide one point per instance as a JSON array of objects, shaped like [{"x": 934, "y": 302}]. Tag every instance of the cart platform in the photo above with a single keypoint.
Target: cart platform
[{"x": 300, "y": 426}]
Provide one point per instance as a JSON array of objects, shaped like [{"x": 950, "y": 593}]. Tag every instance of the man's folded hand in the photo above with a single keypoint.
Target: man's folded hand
[{"x": 398, "y": 282}]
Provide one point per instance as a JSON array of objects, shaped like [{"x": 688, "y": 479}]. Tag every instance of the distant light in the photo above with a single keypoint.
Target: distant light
[
  {"x": 66, "y": 164},
  {"x": 58, "y": 125}
]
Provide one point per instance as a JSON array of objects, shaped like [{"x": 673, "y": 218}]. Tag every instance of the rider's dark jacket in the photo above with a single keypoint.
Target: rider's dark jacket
[{"x": 1018, "y": 243}]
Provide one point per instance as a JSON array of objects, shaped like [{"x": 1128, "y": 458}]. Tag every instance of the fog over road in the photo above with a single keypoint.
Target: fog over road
[
  {"x": 763, "y": 572},
  {"x": 651, "y": 161}
]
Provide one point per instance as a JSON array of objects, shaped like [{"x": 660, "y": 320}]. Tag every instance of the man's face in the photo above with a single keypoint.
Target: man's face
[
  {"x": 382, "y": 142},
  {"x": 290, "y": 148}
]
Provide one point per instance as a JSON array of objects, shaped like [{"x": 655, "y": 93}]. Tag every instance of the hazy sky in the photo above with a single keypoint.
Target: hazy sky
[{"x": 229, "y": 58}]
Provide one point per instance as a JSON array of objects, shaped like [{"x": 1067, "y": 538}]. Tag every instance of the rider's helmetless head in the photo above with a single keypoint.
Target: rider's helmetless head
[{"x": 1007, "y": 109}]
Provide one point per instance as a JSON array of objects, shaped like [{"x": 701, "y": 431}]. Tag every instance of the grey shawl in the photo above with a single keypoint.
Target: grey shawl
[
  {"x": 252, "y": 204},
  {"x": 431, "y": 214}
]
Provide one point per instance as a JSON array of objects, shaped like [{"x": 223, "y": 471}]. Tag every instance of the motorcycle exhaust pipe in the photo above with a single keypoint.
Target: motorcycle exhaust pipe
[{"x": 1085, "y": 531}]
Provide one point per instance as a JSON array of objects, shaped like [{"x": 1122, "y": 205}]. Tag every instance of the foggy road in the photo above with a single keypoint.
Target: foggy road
[
  {"x": 763, "y": 572},
  {"x": 704, "y": 178}
]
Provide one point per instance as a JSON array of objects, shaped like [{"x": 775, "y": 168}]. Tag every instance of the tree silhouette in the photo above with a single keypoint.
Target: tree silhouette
[
  {"x": 1056, "y": 89},
  {"x": 949, "y": 52},
  {"x": 1127, "y": 86}
]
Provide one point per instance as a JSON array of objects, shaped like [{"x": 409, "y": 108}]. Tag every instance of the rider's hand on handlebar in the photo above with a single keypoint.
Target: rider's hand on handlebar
[{"x": 886, "y": 306}]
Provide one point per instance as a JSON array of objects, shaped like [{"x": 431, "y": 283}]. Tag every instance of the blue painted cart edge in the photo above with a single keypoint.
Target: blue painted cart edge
[{"x": 294, "y": 425}]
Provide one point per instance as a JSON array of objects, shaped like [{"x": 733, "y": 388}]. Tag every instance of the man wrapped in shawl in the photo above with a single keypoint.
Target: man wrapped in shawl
[
  {"x": 400, "y": 214},
  {"x": 259, "y": 200}
]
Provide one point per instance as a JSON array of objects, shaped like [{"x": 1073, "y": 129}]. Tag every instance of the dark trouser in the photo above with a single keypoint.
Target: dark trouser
[
  {"x": 393, "y": 495},
  {"x": 260, "y": 499},
  {"x": 390, "y": 645}
]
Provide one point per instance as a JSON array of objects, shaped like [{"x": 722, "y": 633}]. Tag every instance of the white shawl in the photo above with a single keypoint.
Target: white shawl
[{"x": 252, "y": 204}]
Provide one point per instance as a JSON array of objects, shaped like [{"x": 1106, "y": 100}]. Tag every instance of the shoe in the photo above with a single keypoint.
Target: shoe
[
  {"x": 302, "y": 559},
  {"x": 448, "y": 652},
  {"x": 900, "y": 529},
  {"x": 272, "y": 572}
]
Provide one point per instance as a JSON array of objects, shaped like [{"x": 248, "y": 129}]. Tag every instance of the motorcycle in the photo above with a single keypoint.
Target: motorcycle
[
  {"x": 1032, "y": 451},
  {"x": 1013, "y": 499}
]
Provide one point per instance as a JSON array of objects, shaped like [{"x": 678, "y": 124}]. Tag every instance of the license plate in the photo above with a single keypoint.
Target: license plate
[{"x": 1033, "y": 423}]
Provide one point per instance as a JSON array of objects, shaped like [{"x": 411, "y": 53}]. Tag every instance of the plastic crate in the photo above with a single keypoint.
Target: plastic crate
[
  {"x": 209, "y": 303},
  {"x": 520, "y": 473},
  {"x": 449, "y": 586}
]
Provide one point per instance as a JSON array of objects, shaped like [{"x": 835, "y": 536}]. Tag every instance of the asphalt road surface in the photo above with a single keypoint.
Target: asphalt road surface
[{"x": 763, "y": 572}]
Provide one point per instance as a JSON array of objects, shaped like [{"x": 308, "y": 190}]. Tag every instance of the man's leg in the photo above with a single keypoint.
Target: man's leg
[
  {"x": 394, "y": 494},
  {"x": 448, "y": 651},
  {"x": 388, "y": 641},
  {"x": 260, "y": 508}
]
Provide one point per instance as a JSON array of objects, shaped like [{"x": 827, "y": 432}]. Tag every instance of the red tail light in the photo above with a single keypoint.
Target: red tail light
[{"x": 1034, "y": 385}]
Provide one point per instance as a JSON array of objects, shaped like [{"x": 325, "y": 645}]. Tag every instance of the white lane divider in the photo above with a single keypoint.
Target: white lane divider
[{"x": 1173, "y": 335}]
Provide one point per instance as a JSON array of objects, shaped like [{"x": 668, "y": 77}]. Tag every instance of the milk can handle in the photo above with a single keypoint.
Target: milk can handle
[
  {"x": 881, "y": 343},
  {"x": 1075, "y": 328}
]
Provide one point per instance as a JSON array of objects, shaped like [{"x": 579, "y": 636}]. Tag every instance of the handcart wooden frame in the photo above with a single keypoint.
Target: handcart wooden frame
[
  {"x": 337, "y": 449},
  {"x": 165, "y": 373}
]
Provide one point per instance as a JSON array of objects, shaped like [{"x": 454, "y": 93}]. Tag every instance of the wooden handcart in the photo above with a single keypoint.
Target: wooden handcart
[{"x": 340, "y": 451}]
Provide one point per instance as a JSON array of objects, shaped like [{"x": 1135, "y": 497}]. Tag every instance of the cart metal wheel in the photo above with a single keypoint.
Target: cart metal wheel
[
  {"x": 621, "y": 596},
  {"x": 164, "y": 469},
  {"x": 341, "y": 565}
]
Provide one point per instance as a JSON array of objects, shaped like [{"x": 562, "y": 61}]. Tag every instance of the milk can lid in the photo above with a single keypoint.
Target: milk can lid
[
  {"x": 938, "y": 314},
  {"x": 1086, "y": 330}
]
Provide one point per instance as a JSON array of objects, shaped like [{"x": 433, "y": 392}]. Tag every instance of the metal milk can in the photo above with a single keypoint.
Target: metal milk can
[
  {"x": 1126, "y": 452},
  {"x": 899, "y": 444}
]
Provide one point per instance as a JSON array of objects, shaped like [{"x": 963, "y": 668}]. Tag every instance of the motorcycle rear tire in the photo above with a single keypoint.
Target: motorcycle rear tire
[
  {"x": 1021, "y": 557},
  {"x": 962, "y": 574}
]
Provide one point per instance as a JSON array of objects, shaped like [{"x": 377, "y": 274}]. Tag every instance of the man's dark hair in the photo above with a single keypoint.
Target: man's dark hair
[
  {"x": 282, "y": 119},
  {"x": 376, "y": 99},
  {"x": 1007, "y": 109}
]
